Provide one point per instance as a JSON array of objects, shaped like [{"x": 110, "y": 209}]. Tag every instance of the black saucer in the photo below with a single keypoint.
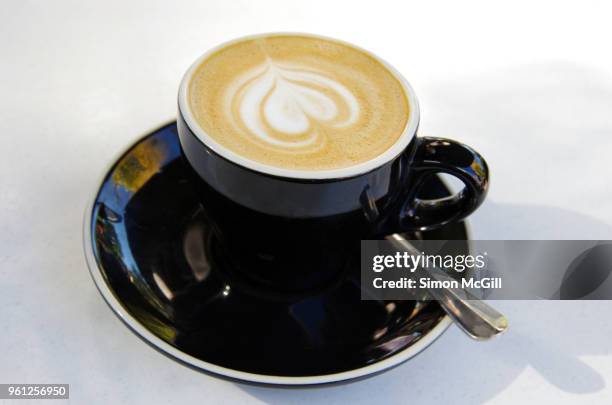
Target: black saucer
[{"x": 153, "y": 259}]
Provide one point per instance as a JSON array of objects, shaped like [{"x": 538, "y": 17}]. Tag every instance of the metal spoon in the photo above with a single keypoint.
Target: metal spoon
[{"x": 473, "y": 316}]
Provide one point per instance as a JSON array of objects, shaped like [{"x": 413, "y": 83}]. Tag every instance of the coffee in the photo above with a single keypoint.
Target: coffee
[{"x": 298, "y": 102}]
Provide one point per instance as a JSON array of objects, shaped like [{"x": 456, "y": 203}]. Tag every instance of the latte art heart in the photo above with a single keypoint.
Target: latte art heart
[
  {"x": 286, "y": 106},
  {"x": 298, "y": 102}
]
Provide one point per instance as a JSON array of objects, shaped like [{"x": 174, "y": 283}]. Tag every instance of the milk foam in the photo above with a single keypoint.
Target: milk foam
[
  {"x": 291, "y": 100},
  {"x": 298, "y": 102}
]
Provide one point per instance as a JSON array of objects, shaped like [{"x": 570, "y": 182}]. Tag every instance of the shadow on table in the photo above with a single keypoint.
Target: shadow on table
[{"x": 549, "y": 337}]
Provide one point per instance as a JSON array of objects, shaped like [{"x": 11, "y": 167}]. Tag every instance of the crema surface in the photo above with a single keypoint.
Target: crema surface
[{"x": 298, "y": 102}]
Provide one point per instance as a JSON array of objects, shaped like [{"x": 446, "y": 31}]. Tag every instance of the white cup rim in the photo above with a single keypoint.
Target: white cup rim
[{"x": 351, "y": 171}]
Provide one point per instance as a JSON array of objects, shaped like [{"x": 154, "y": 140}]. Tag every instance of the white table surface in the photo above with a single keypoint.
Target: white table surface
[{"x": 528, "y": 84}]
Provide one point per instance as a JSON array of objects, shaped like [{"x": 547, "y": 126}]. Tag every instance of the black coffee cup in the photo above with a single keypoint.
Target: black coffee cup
[{"x": 295, "y": 228}]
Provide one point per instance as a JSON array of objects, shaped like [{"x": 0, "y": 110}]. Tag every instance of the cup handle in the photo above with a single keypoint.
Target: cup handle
[{"x": 439, "y": 155}]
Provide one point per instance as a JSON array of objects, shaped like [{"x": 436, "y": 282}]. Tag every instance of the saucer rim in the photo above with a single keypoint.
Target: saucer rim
[{"x": 142, "y": 332}]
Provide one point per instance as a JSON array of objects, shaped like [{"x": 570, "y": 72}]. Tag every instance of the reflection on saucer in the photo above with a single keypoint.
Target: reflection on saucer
[{"x": 152, "y": 255}]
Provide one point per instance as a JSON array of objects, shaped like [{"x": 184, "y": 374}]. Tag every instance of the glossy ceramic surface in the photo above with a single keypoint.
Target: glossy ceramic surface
[{"x": 155, "y": 260}]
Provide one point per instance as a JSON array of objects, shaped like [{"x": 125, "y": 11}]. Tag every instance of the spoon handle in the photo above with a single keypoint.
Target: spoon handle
[{"x": 476, "y": 318}]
